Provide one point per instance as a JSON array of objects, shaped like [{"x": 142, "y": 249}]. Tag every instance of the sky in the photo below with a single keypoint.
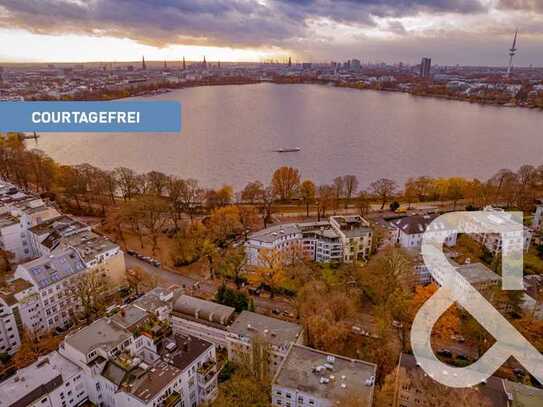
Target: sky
[{"x": 466, "y": 32}]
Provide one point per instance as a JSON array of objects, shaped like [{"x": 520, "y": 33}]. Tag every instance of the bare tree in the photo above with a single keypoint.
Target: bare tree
[{"x": 384, "y": 189}]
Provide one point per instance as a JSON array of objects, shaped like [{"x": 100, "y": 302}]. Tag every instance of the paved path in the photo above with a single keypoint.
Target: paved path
[{"x": 205, "y": 287}]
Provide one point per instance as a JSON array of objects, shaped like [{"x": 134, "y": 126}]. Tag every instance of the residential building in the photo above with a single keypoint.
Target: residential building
[
  {"x": 130, "y": 359},
  {"x": 53, "y": 278},
  {"x": 51, "y": 381},
  {"x": 414, "y": 388},
  {"x": 272, "y": 337},
  {"x": 355, "y": 235},
  {"x": 506, "y": 228},
  {"x": 203, "y": 319},
  {"x": 339, "y": 239},
  {"x": 410, "y": 230},
  {"x": 312, "y": 378}
]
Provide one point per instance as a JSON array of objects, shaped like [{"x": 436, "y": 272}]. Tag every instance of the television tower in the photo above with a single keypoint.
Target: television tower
[
  {"x": 512, "y": 53},
  {"x": 143, "y": 67},
  {"x": 184, "y": 64}
]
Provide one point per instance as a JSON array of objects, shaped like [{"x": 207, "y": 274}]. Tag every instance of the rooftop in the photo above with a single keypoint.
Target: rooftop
[
  {"x": 269, "y": 235},
  {"x": 352, "y": 226},
  {"x": 476, "y": 273},
  {"x": 493, "y": 390},
  {"x": 88, "y": 244},
  {"x": 102, "y": 333},
  {"x": 181, "y": 350},
  {"x": 64, "y": 225},
  {"x": 416, "y": 224},
  {"x": 32, "y": 382},
  {"x": 129, "y": 317},
  {"x": 146, "y": 385},
  {"x": 205, "y": 310},
  {"x": 275, "y": 331},
  {"x": 324, "y": 375},
  {"x": 48, "y": 270}
]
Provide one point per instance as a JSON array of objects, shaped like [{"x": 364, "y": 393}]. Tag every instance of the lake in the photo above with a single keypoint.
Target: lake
[{"x": 230, "y": 133}]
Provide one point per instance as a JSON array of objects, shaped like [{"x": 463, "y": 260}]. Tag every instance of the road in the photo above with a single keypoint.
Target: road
[{"x": 205, "y": 288}]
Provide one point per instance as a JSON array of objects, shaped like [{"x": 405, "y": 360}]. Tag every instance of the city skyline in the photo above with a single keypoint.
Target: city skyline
[{"x": 475, "y": 32}]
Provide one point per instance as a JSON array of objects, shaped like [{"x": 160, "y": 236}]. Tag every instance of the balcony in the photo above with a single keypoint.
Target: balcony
[
  {"x": 172, "y": 400},
  {"x": 207, "y": 373}
]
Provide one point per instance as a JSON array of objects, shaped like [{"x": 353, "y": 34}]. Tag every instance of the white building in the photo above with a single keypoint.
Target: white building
[
  {"x": 203, "y": 319},
  {"x": 122, "y": 368},
  {"x": 340, "y": 239},
  {"x": 311, "y": 378},
  {"x": 274, "y": 336},
  {"x": 53, "y": 278},
  {"x": 538, "y": 217},
  {"x": 52, "y": 381},
  {"x": 410, "y": 230}
]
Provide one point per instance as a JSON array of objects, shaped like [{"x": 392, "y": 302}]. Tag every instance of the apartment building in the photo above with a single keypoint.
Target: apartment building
[
  {"x": 410, "y": 230},
  {"x": 254, "y": 336},
  {"x": 203, "y": 319},
  {"x": 339, "y": 239},
  {"x": 414, "y": 388},
  {"x": 127, "y": 361},
  {"x": 312, "y": 378},
  {"x": 52, "y": 278},
  {"x": 52, "y": 381},
  {"x": 506, "y": 228}
]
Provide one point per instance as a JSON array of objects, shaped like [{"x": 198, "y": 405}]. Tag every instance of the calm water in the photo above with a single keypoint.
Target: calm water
[{"x": 229, "y": 134}]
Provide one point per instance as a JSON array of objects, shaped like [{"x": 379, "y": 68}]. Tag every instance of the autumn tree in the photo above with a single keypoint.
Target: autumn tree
[
  {"x": 157, "y": 182},
  {"x": 253, "y": 192},
  {"x": 285, "y": 182},
  {"x": 270, "y": 270},
  {"x": 138, "y": 280},
  {"x": 151, "y": 212},
  {"x": 308, "y": 192},
  {"x": 189, "y": 243},
  {"x": 384, "y": 189},
  {"x": 327, "y": 199},
  {"x": 89, "y": 290},
  {"x": 224, "y": 224}
]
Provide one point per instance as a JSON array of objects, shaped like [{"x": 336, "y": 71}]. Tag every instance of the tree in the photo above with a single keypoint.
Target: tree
[
  {"x": 339, "y": 186},
  {"x": 157, "y": 182},
  {"x": 184, "y": 196},
  {"x": 151, "y": 212},
  {"x": 28, "y": 352},
  {"x": 232, "y": 265},
  {"x": 285, "y": 182},
  {"x": 270, "y": 271},
  {"x": 327, "y": 199},
  {"x": 243, "y": 389},
  {"x": 232, "y": 298},
  {"x": 384, "y": 189},
  {"x": 127, "y": 181},
  {"x": 394, "y": 206},
  {"x": 308, "y": 191},
  {"x": 89, "y": 289},
  {"x": 253, "y": 192},
  {"x": 189, "y": 243},
  {"x": 224, "y": 224},
  {"x": 350, "y": 183},
  {"x": 363, "y": 203},
  {"x": 410, "y": 193},
  {"x": 137, "y": 279},
  {"x": 220, "y": 197}
]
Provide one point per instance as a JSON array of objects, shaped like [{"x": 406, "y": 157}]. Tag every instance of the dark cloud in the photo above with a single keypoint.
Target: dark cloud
[{"x": 238, "y": 23}]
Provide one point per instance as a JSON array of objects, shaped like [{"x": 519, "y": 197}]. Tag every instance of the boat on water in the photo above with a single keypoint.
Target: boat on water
[{"x": 288, "y": 150}]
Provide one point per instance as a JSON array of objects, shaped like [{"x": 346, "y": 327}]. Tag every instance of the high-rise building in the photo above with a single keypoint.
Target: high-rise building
[
  {"x": 184, "y": 64},
  {"x": 289, "y": 62},
  {"x": 355, "y": 65},
  {"x": 143, "y": 66},
  {"x": 425, "y": 67}
]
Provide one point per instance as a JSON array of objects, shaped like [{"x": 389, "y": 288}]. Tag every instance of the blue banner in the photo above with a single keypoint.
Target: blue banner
[{"x": 114, "y": 116}]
